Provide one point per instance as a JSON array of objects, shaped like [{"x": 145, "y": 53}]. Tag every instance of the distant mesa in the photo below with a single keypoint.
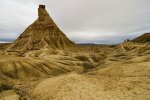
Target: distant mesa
[
  {"x": 143, "y": 38},
  {"x": 42, "y": 33}
]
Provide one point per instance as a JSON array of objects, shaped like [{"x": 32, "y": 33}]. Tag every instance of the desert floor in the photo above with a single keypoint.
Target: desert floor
[{"x": 87, "y": 72}]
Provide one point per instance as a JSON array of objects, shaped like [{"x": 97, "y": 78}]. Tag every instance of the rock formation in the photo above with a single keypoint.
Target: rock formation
[{"x": 42, "y": 33}]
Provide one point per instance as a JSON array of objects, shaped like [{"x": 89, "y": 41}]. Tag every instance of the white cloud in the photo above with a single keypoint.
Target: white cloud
[{"x": 81, "y": 20}]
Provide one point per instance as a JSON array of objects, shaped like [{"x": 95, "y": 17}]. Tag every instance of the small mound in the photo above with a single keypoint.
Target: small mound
[{"x": 133, "y": 48}]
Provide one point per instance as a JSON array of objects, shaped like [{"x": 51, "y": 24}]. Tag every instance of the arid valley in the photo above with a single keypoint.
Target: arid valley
[{"x": 43, "y": 64}]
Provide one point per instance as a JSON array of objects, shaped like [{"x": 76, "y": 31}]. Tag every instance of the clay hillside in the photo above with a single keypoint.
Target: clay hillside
[
  {"x": 42, "y": 33},
  {"x": 143, "y": 38}
]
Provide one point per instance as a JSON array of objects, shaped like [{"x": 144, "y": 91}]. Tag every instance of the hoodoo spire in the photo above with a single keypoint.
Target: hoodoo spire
[
  {"x": 43, "y": 32},
  {"x": 42, "y": 13}
]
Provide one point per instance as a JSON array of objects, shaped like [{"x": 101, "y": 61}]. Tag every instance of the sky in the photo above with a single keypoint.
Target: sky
[{"x": 83, "y": 21}]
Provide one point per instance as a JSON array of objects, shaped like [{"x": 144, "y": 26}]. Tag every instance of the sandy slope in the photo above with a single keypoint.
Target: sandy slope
[
  {"x": 81, "y": 73},
  {"x": 116, "y": 81}
]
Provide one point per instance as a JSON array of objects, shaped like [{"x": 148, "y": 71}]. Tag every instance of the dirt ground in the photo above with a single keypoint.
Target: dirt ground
[{"x": 83, "y": 73}]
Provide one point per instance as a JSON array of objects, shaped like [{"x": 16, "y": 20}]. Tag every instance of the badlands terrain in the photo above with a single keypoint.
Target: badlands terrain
[{"x": 43, "y": 64}]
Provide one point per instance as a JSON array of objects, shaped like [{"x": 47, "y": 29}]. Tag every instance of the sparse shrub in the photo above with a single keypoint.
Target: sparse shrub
[
  {"x": 4, "y": 87},
  {"x": 82, "y": 58}
]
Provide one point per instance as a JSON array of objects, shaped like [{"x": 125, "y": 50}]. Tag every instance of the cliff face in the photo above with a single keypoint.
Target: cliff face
[{"x": 42, "y": 33}]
